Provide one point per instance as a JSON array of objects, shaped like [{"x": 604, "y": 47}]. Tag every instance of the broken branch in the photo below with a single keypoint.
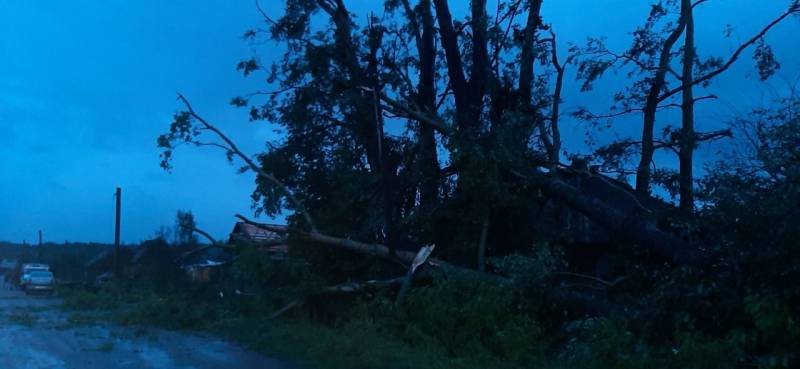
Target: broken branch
[{"x": 231, "y": 146}]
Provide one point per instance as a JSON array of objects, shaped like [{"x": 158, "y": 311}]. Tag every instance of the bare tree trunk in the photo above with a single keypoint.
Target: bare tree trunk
[
  {"x": 374, "y": 249},
  {"x": 555, "y": 146},
  {"x": 368, "y": 110},
  {"x": 527, "y": 55},
  {"x": 481, "y": 68},
  {"x": 526, "y": 72},
  {"x": 686, "y": 153},
  {"x": 651, "y": 107},
  {"x": 428, "y": 158},
  {"x": 455, "y": 67},
  {"x": 468, "y": 95}
]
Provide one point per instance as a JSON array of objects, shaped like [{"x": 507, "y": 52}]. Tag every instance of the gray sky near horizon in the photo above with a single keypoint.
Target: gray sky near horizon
[{"x": 87, "y": 86}]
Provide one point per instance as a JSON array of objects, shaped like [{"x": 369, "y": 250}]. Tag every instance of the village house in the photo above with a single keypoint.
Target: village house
[{"x": 250, "y": 233}]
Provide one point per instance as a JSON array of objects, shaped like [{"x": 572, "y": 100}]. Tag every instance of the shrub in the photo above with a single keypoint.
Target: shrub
[{"x": 471, "y": 315}]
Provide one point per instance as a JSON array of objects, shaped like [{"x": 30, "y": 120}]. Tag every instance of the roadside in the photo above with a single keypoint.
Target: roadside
[{"x": 36, "y": 333}]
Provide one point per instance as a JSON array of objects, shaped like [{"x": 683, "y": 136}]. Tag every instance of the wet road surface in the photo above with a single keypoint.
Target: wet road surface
[{"x": 36, "y": 334}]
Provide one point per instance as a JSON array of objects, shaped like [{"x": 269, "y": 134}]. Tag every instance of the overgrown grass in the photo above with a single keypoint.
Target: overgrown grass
[
  {"x": 459, "y": 320},
  {"x": 433, "y": 329}
]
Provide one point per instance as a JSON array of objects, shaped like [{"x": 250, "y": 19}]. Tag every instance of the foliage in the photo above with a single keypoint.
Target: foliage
[
  {"x": 434, "y": 328},
  {"x": 379, "y": 150},
  {"x": 184, "y": 228},
  {"x": 752, "y": 207},
  {"x": 469, "y": 314}
]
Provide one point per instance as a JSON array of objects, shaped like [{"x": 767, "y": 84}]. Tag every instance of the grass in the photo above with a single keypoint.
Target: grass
[
  {"x": 356, "y": 345},
  {"x": 358, "y": 342},
  {"x": 458, "y": 322}
]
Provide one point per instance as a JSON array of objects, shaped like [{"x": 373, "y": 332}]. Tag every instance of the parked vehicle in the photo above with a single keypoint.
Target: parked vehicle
[
  {"x": 27, "y": 269},
  {"x": 34, "y": 266},
  {"x": 39, "y": 281}
]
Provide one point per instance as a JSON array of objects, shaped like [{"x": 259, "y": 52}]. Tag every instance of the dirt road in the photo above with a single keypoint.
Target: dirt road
[{"x": 36, "y": 334}]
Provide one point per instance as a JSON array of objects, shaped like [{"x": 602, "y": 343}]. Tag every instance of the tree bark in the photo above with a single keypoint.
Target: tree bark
[
  {"x": 527, "y": 55},
  {"x": 428, "y": 158},
  {"x": 526, "y": 74},
  {"x": 455, "y": 68},
  {"x": 481, "y": 69},
  {"x": 555, "y": 146},
  {"x": 374, "y": 249},
  {"x": 651, "y": 107},
  {"x": 368, "y": 111},
  {"x": 468, "y": 95},
  {"x": 686, "y": 152}
]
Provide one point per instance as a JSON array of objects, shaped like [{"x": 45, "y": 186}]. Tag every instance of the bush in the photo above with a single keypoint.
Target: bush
[
  {"x": 470, "y": 315},
  {"x": 776, "y": 337}
]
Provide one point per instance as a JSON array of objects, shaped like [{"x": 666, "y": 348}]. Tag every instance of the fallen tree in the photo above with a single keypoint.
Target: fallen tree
[
  {"x": 422, "y": 266},
  {"x": 374, "y": 249},
  {"x": 350, "y": 287},
  {"x": 213, "y": 244},
  {"x": 627, "y": 225}
]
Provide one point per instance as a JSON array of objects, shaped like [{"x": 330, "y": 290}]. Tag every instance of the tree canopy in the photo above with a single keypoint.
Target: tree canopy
[{"x": 416, "y": 127}]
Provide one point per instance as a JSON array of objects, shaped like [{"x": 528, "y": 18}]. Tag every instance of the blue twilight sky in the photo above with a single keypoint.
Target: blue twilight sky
[{"x": 87, "y": 85}]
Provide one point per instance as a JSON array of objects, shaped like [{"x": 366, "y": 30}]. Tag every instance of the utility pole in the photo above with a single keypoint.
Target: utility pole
[
  {"x": 118, "y": 197},
  {"x": 40, "y": 237}
]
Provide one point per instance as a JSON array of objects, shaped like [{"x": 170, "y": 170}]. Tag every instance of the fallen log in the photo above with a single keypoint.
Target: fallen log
[
  {"x": 571, "y": 300},
  {"x": 214, "y": 243},
  {"x": 629, "y": 226},
  {"x": 374, "y": 249},
  {"x": 349, "y": 287}
]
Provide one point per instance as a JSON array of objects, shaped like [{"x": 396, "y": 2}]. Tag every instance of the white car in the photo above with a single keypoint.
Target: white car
[
  {"x": 27, "y": 269},
  {"x": 38, "y": 280}
]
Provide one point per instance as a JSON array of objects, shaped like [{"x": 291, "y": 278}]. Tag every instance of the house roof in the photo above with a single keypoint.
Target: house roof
[{"x": 253, "y": 233}]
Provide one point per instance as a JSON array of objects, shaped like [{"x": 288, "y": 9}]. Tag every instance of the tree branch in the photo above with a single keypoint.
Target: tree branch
[
  {"x": 214, "y": 243},
  {"x": 235, "y": 150},
  {"x": 794, "y": 8},
  {"x": 412, "y": 113},
  {"x": 374, "y": 249},
  {"x": 455, "y": 68},
  {"x": 714, "y": 135}
]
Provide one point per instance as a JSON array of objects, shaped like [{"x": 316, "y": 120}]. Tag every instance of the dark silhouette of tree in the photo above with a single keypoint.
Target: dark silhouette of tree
[
  {"x": 415, "y": 128},
  {"x": 184, "y": 228},
  {"x": 651, "y": 55}
]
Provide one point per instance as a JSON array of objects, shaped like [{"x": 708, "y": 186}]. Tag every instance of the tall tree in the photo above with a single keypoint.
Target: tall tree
[
  {"x": 652, "y": 55},
  {"x": 341, "y": 81},
  {"x": 184, "y": 228},
  {"x": 687, "y": 141},
  {"x": 421, "y": 24},
  {"x": 657, "y": 84}
]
